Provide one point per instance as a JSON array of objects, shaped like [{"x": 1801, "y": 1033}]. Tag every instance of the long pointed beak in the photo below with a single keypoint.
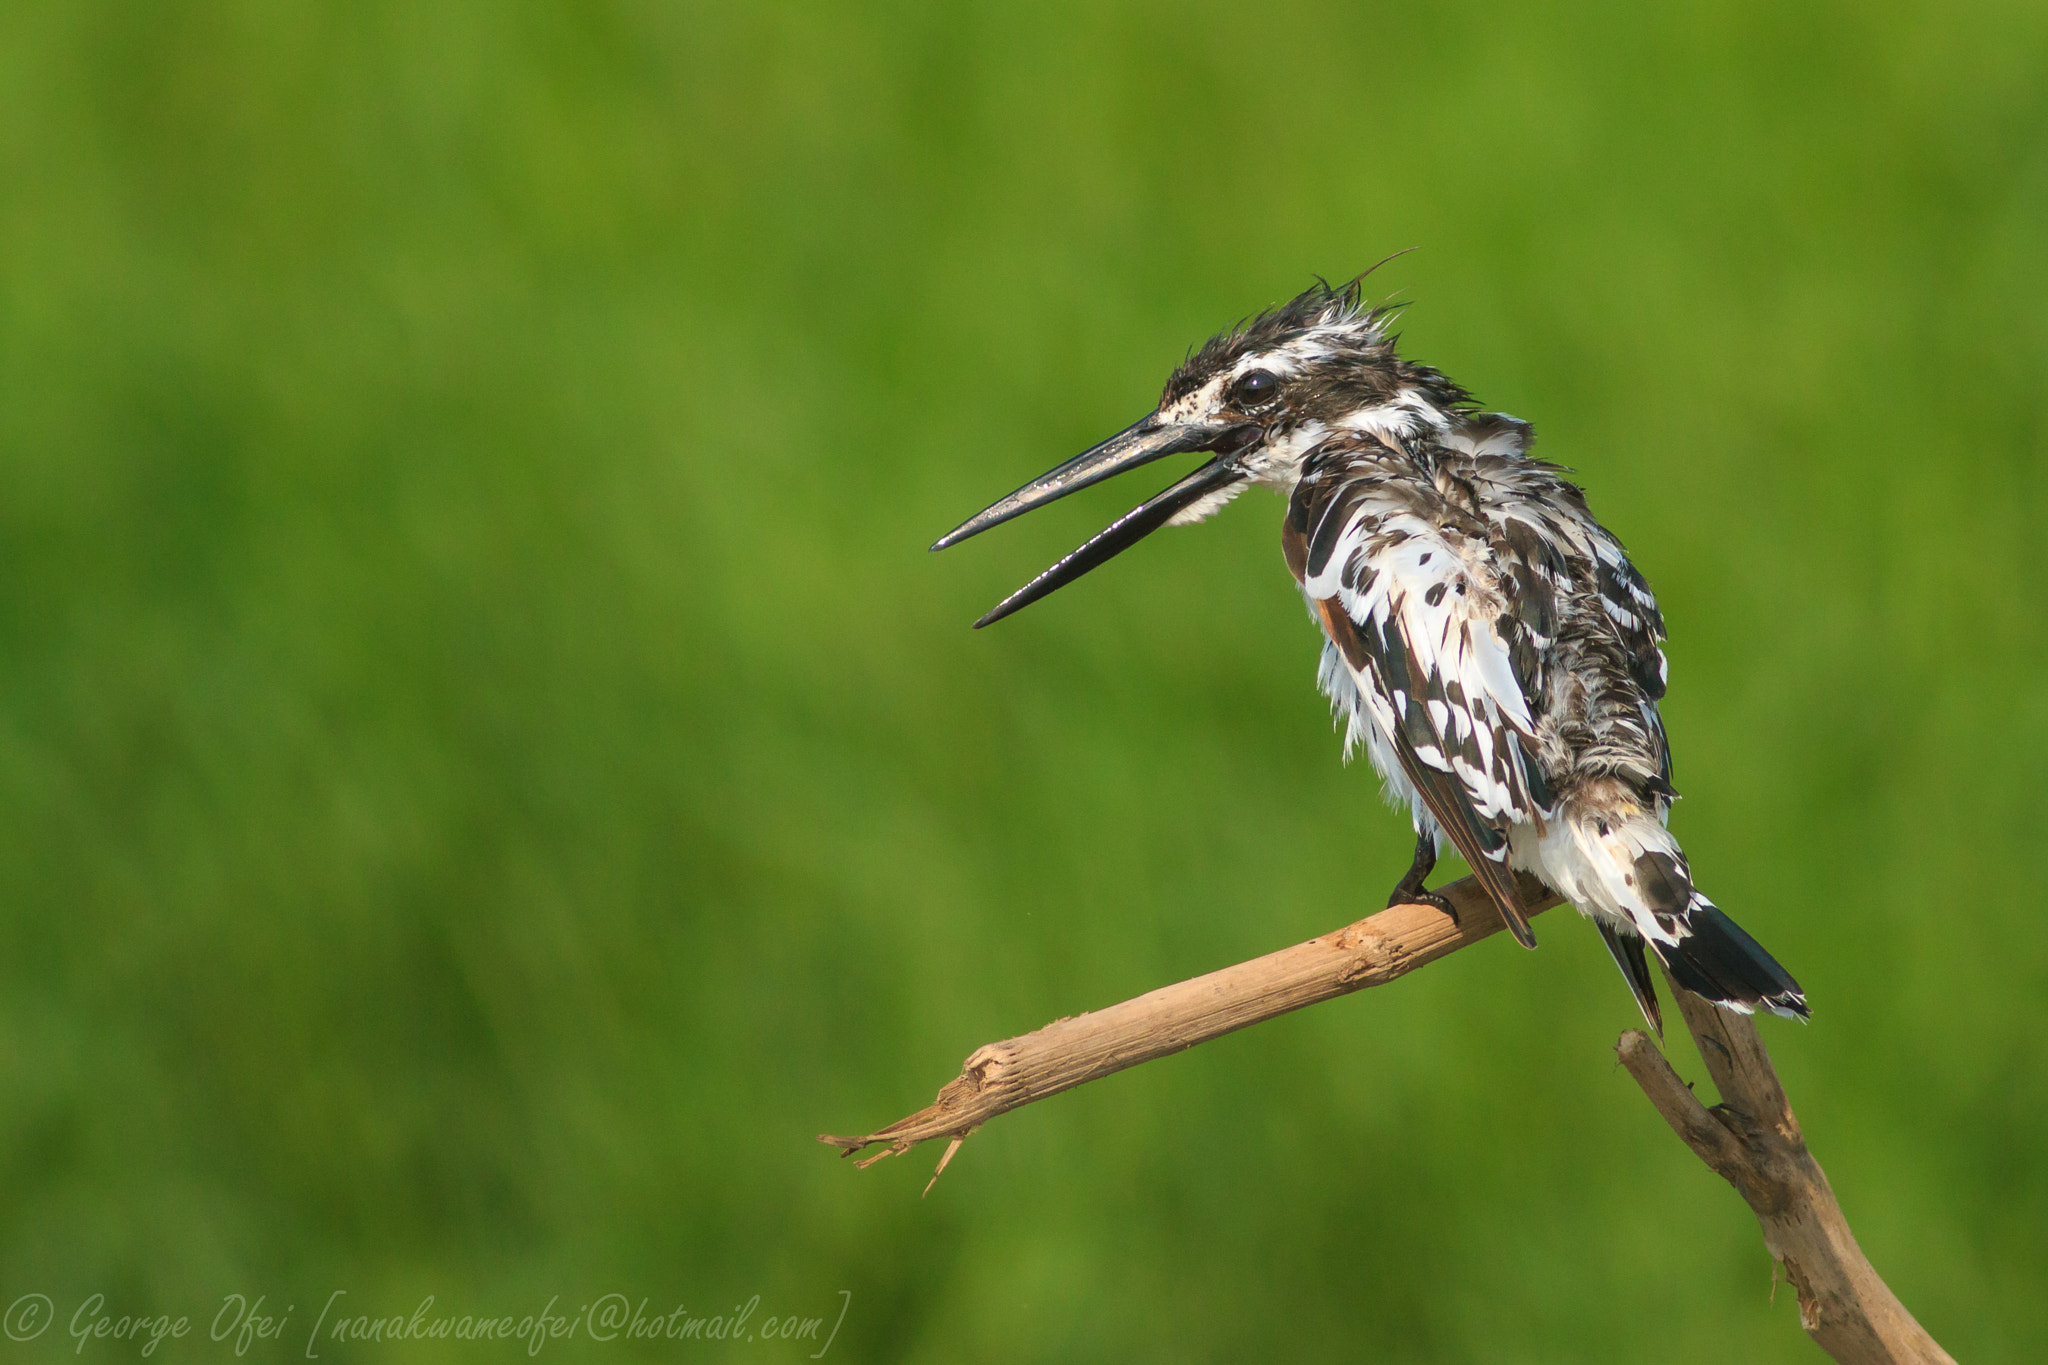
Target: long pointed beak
[
  {"x": 1120, "y": 535},
  {"x": 1140, "y": 443}
]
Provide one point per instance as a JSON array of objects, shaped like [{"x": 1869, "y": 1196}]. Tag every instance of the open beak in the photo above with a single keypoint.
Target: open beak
[{"x": 1140, "y": 443}]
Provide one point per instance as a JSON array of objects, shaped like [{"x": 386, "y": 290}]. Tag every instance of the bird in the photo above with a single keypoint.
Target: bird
[{"x": 1486, "y": 642}]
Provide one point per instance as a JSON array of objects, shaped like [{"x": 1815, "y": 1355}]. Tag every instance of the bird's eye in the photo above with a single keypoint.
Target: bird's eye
[{"x": 1256, "y": 389}]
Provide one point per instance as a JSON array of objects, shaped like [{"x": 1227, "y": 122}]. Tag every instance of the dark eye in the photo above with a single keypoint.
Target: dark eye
[{"x": 1256, "y": 389}]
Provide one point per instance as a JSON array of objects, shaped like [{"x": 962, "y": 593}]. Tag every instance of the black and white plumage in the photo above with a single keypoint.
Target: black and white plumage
[{"x": 1488, "y": 643}]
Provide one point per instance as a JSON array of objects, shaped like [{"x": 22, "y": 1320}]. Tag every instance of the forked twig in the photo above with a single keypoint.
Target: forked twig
[{"x": 1751, "y": 1139}]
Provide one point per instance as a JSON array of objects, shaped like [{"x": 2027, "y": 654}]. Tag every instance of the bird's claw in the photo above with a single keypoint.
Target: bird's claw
[{"x": 1415, "y": 895}]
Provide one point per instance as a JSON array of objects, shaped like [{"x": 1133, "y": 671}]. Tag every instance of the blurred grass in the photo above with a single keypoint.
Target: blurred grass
[{"x": 487, "y": 768}]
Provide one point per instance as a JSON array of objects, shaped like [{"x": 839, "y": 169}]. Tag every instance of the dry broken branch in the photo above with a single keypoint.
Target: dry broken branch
[
  {"x": 1069, "y": 1052},
  {"x": 1752, "y": 1140}
]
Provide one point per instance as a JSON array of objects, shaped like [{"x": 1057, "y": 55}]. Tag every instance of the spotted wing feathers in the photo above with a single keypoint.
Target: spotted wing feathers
[{"x": 1413, "y": 611}]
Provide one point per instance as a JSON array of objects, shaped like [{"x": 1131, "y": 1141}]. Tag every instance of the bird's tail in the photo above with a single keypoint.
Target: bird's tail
[
  {"x": 1626, "y": 864},
  {"x": 1715, "y": 960}
]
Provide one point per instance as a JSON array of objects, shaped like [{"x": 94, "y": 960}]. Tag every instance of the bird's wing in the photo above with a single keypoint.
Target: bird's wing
[
  {"x": 1419, "y": 626},
  {"x": 1632, "y": 609},
  {"x": 1553, "y": 550},
  {"x": 1544, "y": 517}
]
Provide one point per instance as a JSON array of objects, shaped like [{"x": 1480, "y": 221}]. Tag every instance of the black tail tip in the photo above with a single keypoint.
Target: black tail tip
[{"x": 1717, "y": 961}]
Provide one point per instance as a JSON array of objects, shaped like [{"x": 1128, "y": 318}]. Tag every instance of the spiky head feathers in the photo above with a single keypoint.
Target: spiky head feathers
[
  {"x": 1319, "y": 325},
  {"x": 1321, "y": 361}
]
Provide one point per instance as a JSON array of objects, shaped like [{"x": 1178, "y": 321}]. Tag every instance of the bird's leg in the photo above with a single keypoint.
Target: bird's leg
[{"x": 1409, "y": 890}]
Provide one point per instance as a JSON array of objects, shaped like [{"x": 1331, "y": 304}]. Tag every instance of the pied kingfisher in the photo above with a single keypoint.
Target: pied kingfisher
[{"x": 1487, "y": 642}]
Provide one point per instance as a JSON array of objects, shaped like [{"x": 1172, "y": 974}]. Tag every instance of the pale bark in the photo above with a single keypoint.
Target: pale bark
[
  {"x": 1069, "y": 1052},
  {"x": 1751, "y": 1138}
]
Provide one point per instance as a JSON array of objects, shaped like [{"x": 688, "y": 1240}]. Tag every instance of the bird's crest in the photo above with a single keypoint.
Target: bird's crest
[{"x": 1323, "y": 318}]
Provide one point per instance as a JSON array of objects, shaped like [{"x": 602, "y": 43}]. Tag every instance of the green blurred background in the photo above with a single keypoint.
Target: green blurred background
[{"x": 488, "y": 769}]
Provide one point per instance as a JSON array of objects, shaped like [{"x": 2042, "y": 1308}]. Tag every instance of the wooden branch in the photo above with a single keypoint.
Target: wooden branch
[
  {"x": 1069, "y": 1052},
  {"x": 1752, "y": 1140}
]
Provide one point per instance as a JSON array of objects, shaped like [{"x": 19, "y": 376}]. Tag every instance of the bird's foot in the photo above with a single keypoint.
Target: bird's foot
[{"x": 1406, "y": 894}]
